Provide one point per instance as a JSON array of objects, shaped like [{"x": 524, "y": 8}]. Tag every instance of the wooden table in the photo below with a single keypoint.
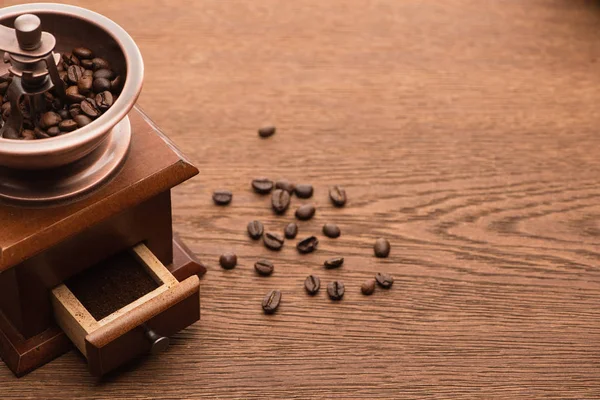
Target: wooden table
[{"x": 465, "y": 131}]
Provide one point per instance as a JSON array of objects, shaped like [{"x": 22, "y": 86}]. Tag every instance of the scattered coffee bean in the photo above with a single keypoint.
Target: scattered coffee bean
[
  {"x": 307, "y": 245},
  {"x": 104, "y": 100},
  {"x": 334, "y": 262},
  {"x": 70, "y": 59},
  {"x": 337, "y": 194},
  {"x": 262, "y": 185},
  {"x": 74, "y": 73},
  {"x": 75, "y": 110},
  {"x": 336, "y": 290},
  {"x": 331, "y": 230},
  {"x": 305, "y": 212},
  {"x": 73, "y": 94},
  {"x": 382, "y": 248},
  {"x": 280, "y": 200},
  {"x": 273, "y": 241},
  {"x": 28, "y": 134},
  {"x": 84, "y": 85},
  {"x": 82, "y": 120},
  {"x": 64, "y": 114},
  {"x": 368, "y": 287},
  {"x": 312, "y": 284},
  {"x": 89, "y": 108},
  {"x": 83, "y": 53},
  {"x": 304, "y": 191},
  {"x": 264, "y": 267},
  {"x": 49, "y": 119},
  {"x": 384, "y": 280},
  {"x": 266, "y": 131},
  {"x": 67, "y": 125},
  {"x": 271, "y": 301},
  {"x": 40, "y": 134},
  {"x": 87, "y": 64},
  {"x": 255, "y": 229},
  {"x": 291, "y": 230},
  {"x": 222, "y": 197},
  {"x": 53, "y": 131},
  {"x": 89, "y": 72},
  {"x": 286, "y": 185},
  {"x": 104, "y": 73},
  {"x": 100, "y": 63},
  {"x": 228, "y": 260},
  {"x": 101, "y": 85}
]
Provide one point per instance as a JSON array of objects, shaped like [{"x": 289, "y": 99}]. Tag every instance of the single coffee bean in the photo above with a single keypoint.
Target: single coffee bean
[
  {"x": 266, "y": 131},
  {"x": 336, "y": 290},
  {"x": 74, "y": 110},
  {"x": 291, "y": 230},
  {"x": 331, "y": 230},
  {"x": 368, "y": 287},
  {"x": 286, "y": 185},
  {"x": 305, "y": 212},
  {"x": 101, "y": 85},
  {"x": 255, "y": 229},
  {"x": 40, "y": 134},
  {"x": 67, "y": 125},
  {"x": 337, "y": 194},
  {"x": 384, "y": 280},
  {"x": 83, "y": 53},
  {"x": 49, "y": 119},
  {"x": 74, "y": 73},
  {"x": 307, "y": 245},
  {"x": 104, "y": 100},
  {"x": 82, "y": 120},
  {"x": 271, "y": 301},
  {"x": 222, "y": 197},
  {"x": 28, "y": 134},
  {"x": 70, "y": 59},
  {"x": 85, "y": 84},
  {"x": 89, "y": 108},
  {"x": 53, "y": 131},
  {"x": 87, "y": 64},
  {"x": 262, "y": 185},
  {"x": 228, "y": 260},
  {"x": 104, "y": 73},
  {"x": 280, "y": 200},
  {"x": 264, "y": 267},
  {"x": 273, "y": 241},
  {"x": 304, "y": 191},
  {"x": 73, "y": 94},
  {"x": 64, "y": 114},
  {"x": 312, "y": 284},
  {"x": 89, "y": 72},
  {"x": 382, "y": 248},
  {"x": 100, "y": 63},
  {"x": 116, "y": 84},
  {"x": 334, "y": 262}
]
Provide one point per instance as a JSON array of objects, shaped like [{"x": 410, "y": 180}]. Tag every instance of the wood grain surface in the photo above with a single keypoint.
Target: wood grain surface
[{"x": 464, "y": 131}]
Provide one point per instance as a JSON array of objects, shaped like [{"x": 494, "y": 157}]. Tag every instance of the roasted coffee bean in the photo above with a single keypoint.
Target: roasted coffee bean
[
  {"x": 334, "y": 262},
  {"x": 255, "y": 229},
  {"x": 28, "y": 134},
  {"x": 384, "y": 280},
  {"x": 53, "y": 131},
  {"x": 75, "y": 110},
  {"x": 271, "y": 301},
  {"x": 63, "y": 76},
  {"x": 67, "y": 125},
  {"x": 228, "y": 260},
  {"x": 104, "y": 100},
  {"x": 49, "y": 119},
  {"x": 266, "y": 131},
  {"x": 286, "y": 185},
  {"x": 100, "y": 63},
  {"x": 69, "y": 59},
  {"x": 85, "y": 84},
  {"x": 83, "y": 53},
  {"x": 64, "y": 114},
  {"x": 336, "y": 290},
  {"x": 104, "y": 73},
  {"x": 382, "y": 248},
  {"x": 264, "y": 267},
  {"x": 222, "y": 197},
  {"x": 280, "y": 200},
  {"x": 304, "y": 191},
  {"x": 101, "y": 85},
  {"x": 312, "y": 284},
  {"x": 291, "y": 230},
  {"x": 273, "y": 241},
  {"x": 74, "y": 74},
  {"x": 82, "y": 120},
  {"x": 73, "y": 94},
  {"x": 368, "y": 287},
  {"x": 88, "y": 72},
  {"x": 40, "y": 134},
  {"x": 331, "y": 230},
  {"x": 60, "y": 66},
  {"x": 337, "y": 194},
  {"x": 262, "y": 185},
  {"x": 307, "y": 245},
  {"x": 305, "y": 212},
  {"x": 116, "y": 84},
  {"x": 87, "y": 64},
  {"x": 89, "y": 108}
]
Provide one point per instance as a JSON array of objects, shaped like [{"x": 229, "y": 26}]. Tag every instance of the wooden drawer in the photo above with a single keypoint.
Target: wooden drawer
[{"x": 139, "y": 327}]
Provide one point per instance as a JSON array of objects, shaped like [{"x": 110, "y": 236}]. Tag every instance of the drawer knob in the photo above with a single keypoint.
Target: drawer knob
[{"x": 158, "y": 343}]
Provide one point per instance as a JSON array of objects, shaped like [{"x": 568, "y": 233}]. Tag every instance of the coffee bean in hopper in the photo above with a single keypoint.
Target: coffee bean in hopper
[
  {"x": 290, "y": 231},
  {"x": 228, "y": 260},
  {"x": 312, "y": 284},
  {"x": 337, "y": 194},
  {"x": 266, "y": 131},
  {"x": 382, "y": 248},
  {"x": 221, "y": 197},
  {"x": 262, "y": 185},
  {"x": 331, "y": 231},
  {"x": 286, "y": 185},
  {"x": 273, "y": 241},
  {"x": 334, "y": 262},
  {"x": 368, "y": 287},
  {"x": 264, "y": 267},
  {"x": 271, "y": 301},
  {"x": 384, "y": 280},
  {"x": 336, "y": 290},
  {"x": 307, "y": 245},
  {"x": 83, "y": 53},
  {"x": 305, "y": 212},
  {"x": 280, "y": 201},
  {"x": 304, "y": 191},
  {"x": 255, "y": 229}
]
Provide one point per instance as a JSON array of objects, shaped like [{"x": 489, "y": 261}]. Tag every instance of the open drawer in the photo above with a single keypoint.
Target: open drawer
[{"x": 90, "y": 308}]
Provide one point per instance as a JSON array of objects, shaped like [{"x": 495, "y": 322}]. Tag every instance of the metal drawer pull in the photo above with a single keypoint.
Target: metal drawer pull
[{"x": 159, "y": 343}]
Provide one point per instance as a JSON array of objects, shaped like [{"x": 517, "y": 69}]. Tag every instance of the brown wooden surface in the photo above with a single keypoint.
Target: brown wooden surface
[{"x": 465, "y": 131}]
